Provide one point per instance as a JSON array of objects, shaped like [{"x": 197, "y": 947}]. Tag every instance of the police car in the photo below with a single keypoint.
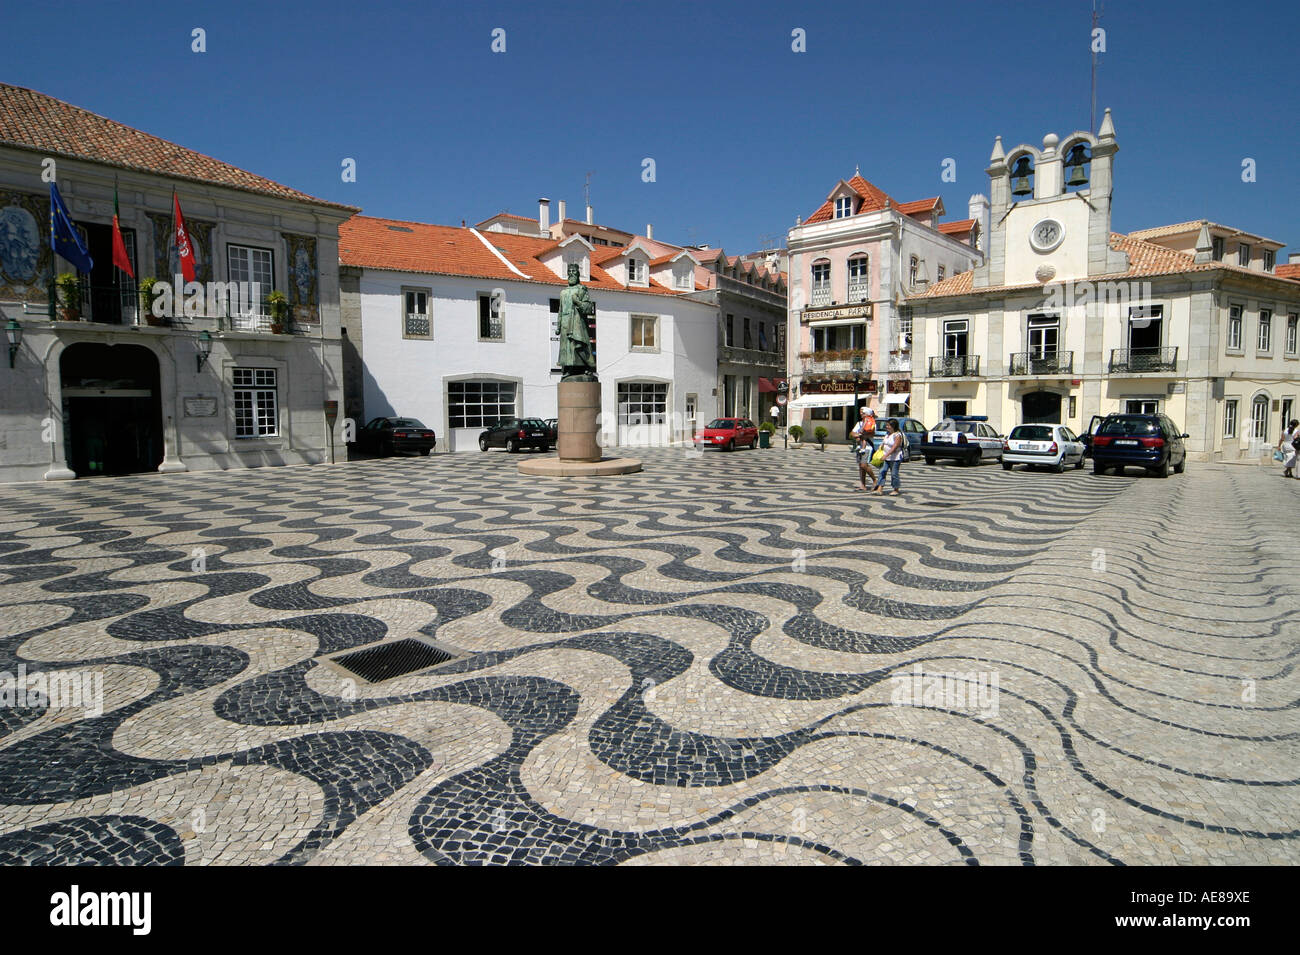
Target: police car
[
  {"x": 965, "y": 438},
  {"x": 1045, "y": 445}
]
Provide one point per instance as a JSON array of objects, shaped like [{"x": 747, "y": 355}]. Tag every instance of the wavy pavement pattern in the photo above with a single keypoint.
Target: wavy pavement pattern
[{"x": 696, "y": 661}]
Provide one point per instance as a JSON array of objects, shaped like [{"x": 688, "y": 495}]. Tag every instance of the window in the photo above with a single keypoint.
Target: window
[
  {"x": 821, "y": 283},
  {"x": 1292, "y": 320},
  {"x": 246, "y": 264},
  {"x": 1243, "y": 254},
  {"x": 1217, "y": 248},
  {"x": 1230, "y": 418},
  {"x": 843, "y": 207},
  {"x": 1259, "y": 418},
  {"x": 748, "y": 342},
  {"x": 416, "y": 313},
  {"x": 942, "y": 271},
  {"x": 645, "y": 332},
  {"x": 1269, "y": 258},
  {"x": 636, "y": 271},
  {"x": 130, "y": 298},
  {"x": 489, "y": 318},
  {"x": 762, "y": 336},
  {"x": 642, "y": 402},
  {"x": 954, "y": 340},
  {"x": 905, "y": 320},
  {"x": 1234, "y": 327},
  {"x": 913, "y": 271},
  {"x": 1264, "y": 342},
  {"x": 257, "y": 406},
  {"x": 1141, "y": 406},
  {"x": 859, "y": 279},
  {"x": 684, "y": 280},
  {"x": 1044, "y": 333},
  {"x": 477, "y": 404},
  {"x": 730, "y": 340},
  {"x": 1144, "y": 329}
]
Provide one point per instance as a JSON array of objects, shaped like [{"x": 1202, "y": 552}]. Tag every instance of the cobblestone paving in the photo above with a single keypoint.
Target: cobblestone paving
[{"x": 723, "y": 659}]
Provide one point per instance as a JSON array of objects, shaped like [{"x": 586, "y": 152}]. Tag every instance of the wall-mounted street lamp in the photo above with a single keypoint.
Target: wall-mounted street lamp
[
  {"x": 204, "y": 348},
  {"x": 14, "y": 331}
]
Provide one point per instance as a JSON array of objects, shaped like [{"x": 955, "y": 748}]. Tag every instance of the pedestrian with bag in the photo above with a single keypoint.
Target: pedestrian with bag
[
  {"x": 864, "y": 446},
  {"x": 890, "y": 456},
  {"x": 1288, "y": 447}
]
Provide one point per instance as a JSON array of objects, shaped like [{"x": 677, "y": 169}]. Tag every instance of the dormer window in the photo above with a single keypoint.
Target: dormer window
[
  {"x": 913, "y": 271},
  {"x": 636, "y": 271},
  {"x": 941, "y": 273},
  {"x": 684, "y": 280},
  {"x": 1243, "y": 255},
  {"x": 1269, "y": 259},
  {"x": 843, "y": 207},
  {"x": 1216, "y": 248}
]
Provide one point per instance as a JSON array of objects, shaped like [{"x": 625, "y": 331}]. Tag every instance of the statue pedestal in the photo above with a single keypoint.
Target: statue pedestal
[{"x": 579, "y": 452}]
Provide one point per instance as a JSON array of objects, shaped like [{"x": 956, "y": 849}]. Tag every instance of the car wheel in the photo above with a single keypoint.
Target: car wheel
[
  {"x": 1162, "y": 471},
  {"x": 729, "y": 446},
  {"x": 1059, "y": 467},
  {"x": 389, "y": 450},
  {"x": 482, "y": 444},
  {"x": 929, "y": 460},
  {"x": 1098, "y": 469},
  {"x": 1006, "y": 466},
  {"x": 425, "y": 451},
  {"x": 1181, "y": 466},
  {"x": 511, "y": 446},
  {"x": 1078, "y": 465}
]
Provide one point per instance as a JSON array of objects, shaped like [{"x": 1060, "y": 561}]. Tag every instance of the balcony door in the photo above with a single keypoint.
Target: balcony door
[
  {"x": 1145, "y": 328},
  {"x": 955, "y": 339},
  {"x": 1043, "y": 335}
]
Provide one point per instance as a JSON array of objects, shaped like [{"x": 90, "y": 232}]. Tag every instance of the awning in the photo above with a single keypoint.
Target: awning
[
  {"x": 898, "y": 398},
  {"x": 823, "y": 401},
  {"x": 768, "y": 384}
]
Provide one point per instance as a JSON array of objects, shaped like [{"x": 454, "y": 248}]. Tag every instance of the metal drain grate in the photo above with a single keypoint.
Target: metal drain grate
[{"x": 376, "y": 664}]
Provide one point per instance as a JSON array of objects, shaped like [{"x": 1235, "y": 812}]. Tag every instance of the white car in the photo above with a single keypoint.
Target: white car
[
  {"x": 1045, "y": 445},
  {"x": 965, "y": 438}
]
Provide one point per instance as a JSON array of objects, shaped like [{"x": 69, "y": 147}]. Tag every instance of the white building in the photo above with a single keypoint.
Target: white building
[{"x": 457, "y": 327}]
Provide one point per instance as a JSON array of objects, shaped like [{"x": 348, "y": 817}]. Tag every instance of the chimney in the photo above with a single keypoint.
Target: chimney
[
  {"x": 978, "y": 209},
  {"x": 544, "y": 215},
  {"x": 649, "y": 230},
  {"x": 1293, "y": 258},
  {"x": 589, "y": 219},
  {"x": 562, "y": 212}
]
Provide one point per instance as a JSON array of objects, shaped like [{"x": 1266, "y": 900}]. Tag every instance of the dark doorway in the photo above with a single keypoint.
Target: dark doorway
[
  {"x": 1040, "y": 407},
  {"x": 110, "y": 292},
  {"x": 112, "y": 409}
]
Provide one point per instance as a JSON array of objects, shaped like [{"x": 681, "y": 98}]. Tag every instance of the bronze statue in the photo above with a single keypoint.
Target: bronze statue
[{"x": 576, "y": 356}]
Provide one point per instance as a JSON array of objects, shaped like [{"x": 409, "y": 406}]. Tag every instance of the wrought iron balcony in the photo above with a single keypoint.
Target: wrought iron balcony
[
  {"x": 859, "y": 291},
  {"x": 836, "y": 362},
  {"x": 955, "y": 366},
  {"x": 1140, "y": 360},
  {"x": 1042, "y": 363},
  {"x": 821, "y": 295}
]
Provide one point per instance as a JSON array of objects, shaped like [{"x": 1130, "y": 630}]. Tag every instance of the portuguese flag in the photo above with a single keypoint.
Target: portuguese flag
[{"x": 120, "y": 258}]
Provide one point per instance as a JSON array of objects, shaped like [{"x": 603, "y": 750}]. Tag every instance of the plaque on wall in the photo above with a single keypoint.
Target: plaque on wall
[{"x": 200, "y": 407}]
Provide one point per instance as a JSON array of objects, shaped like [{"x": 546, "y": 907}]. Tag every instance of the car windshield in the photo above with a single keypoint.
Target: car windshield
[
  {"x": 1032, "y": 432},
  {"x": 721, "y": 423},
  {"x": 1129, "y": 426},
  {"x": 533, "y": 423},
  {"x": 967, "y": 427},
  {"x": 405, "y": 423}
]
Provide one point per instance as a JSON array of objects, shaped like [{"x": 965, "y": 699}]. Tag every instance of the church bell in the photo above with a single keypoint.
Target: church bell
[
  {"x": 1075, "y": 162},
  {"x": 1020, "y": 183}
]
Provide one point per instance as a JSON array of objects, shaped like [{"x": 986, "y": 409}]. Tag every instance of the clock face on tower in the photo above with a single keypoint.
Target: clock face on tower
[{"x": 1046, "y": 235}]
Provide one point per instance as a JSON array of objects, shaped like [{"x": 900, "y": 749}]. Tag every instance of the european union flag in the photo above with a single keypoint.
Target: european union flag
[{"x": 64, "y": 238}]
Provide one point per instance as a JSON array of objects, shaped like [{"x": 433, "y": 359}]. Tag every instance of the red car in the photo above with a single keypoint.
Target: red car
[{"x": 727, "y": 434}]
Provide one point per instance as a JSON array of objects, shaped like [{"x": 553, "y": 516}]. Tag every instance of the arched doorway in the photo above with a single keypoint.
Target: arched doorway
[
  {"x": 1040, "y": 407},
  {"x": 112, "y": 409}
]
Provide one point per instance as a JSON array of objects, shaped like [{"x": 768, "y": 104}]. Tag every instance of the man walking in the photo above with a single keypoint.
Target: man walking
[{"x": 864, "y": 440}]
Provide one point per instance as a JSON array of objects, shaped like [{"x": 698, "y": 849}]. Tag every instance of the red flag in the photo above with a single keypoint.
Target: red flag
[
  {"x": 184, "y": 251},
  {"x": 120, "y": 258}
]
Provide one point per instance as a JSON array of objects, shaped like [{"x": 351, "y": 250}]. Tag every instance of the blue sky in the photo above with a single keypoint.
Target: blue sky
[{"x": 745, "y": 133}]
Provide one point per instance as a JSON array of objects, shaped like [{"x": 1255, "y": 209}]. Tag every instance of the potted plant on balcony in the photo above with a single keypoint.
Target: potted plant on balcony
[
  {"x": 278, "y": 302},
  {"x": 69, "y": 296},
  {"x": 796, "y": 433},
  {"x": 821, "y": 434},
  {"x": 146, "y": 301}
]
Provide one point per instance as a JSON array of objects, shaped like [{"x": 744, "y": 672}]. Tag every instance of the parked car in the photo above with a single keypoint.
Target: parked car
[
  {"x": 1150, "y": 441},
  {"x": 515, "y": 434},
  {"x": 552, "y": 429},
  {"x": 727, "y": 434},
  {"x": 1042, "y": 445},
  {"x": 914, "y": 430},
  {"x": 390, "y": 435},
  {"x": 965, "y": 438}
]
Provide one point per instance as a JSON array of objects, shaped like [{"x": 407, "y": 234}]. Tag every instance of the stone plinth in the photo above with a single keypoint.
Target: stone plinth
[
  {"x": 579, "y": 421},
  {"x": 556, "y": 467}
]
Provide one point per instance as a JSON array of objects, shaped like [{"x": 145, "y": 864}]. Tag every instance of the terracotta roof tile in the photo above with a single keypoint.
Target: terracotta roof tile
[
  {"x": 1288, "y": 270},
  {"x": 872, "y": 200},
  {"x": 1181, "y": 228},
  {"x": 919, "y": 205},
  {"x": 32, "y": 120},
  {"x": 959, "y": 227}
]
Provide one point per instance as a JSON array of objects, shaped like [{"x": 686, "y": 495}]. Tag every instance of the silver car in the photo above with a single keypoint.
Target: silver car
[{"x": 1042, "y": 445}]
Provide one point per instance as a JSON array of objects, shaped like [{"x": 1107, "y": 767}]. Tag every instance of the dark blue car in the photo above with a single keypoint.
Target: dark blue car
[{"x": 1150, "y": 441}]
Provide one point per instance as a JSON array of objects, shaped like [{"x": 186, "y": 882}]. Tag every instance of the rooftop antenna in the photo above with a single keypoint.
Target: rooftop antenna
[
  {"x": 1096, "y": 17},
  {"x": 586, "y": 190}
]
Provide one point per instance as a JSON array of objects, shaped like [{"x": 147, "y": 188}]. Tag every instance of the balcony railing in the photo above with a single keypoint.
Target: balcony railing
[
  {"x": 127, "y": 305},
  {"x": 835, "y": 362},
  {"x": 899, "y": 363},
  {"x": 859, "y": 291},
  {"x": 821, "y": 295},
  {"x": 955, "y": 366},
  {"x": 1139, "y": 360},
  {"x": 1042, "y": 363}
]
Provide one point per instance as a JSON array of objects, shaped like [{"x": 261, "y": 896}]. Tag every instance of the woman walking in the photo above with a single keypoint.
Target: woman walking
[
  {"x": 864, "y": 438},
  {"x": 1289, "y": 445},
  {"x": 893, "y": 453}
]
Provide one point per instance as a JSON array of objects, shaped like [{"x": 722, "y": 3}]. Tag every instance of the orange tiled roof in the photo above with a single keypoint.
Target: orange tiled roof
[
  {"x": 872, "y": 200},
  {"x": 32, "y": 120},
  {"x": 1146, "y": 259},
  {"x": 920, "y": 205},
  {"x": 960, "y": 227},
  {"x": 1288, "y": 270},
  {"x": 1182, "y": 228},
  {"x": 395, "y": 245}
]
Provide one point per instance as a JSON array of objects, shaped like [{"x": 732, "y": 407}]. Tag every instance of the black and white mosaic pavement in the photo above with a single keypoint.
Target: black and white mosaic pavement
[{"x": 723, "y": 658}]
